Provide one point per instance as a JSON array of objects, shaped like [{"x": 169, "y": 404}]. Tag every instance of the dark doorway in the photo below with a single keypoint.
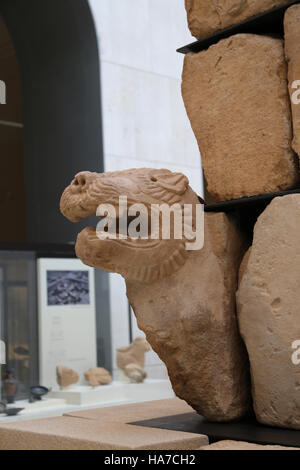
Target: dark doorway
[
  {"x": 12, "y": 186},
  {"x": 57, "y": 50},
  {"x": 54, "y": 108}
]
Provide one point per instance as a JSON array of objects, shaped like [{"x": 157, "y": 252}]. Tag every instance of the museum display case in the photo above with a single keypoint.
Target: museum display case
[
  {"x": 45, "y": 303},
  {"x": 18, "y": 313}
]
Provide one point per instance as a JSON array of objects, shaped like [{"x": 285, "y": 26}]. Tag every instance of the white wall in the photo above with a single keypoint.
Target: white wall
[{"x": 145, "y": 123}]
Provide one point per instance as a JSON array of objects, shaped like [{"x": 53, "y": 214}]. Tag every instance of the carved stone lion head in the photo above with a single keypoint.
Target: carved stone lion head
[{"x": 144, "y": 260}]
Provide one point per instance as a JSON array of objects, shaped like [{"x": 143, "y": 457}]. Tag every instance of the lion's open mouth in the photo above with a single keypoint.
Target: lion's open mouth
[{"x": 122, "y": 227}]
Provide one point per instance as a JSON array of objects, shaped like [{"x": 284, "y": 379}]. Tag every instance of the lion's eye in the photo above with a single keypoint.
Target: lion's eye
[{"x": 153, "y": 179}]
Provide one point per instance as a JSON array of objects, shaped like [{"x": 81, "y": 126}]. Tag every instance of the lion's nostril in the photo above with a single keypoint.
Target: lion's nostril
[{"x": 80, "y": 180}]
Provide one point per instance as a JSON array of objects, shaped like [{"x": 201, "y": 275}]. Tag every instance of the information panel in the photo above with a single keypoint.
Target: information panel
[{"x": 67, "y": 320}]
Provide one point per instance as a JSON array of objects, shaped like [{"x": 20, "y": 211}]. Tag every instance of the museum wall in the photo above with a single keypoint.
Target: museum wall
[{"x": 144, "y": 121}]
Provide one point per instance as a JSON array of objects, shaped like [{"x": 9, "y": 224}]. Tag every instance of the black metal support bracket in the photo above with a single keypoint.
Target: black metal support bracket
[{"x": 248, "y": 430}]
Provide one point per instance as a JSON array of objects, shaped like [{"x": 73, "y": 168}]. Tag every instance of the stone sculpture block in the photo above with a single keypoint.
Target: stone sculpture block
[
  {"x": 268, "y": 302},
  {"x": 183, "y": 300},
  {"x": 206, "y": 17},
  {"x": 292, "y": 53},
  {"x": 236, "y": 97}
]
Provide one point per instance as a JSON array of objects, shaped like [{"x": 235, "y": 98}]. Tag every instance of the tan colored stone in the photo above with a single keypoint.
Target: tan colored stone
[
  {"x": 103, "y": 428},
  {"x": 183, "y": 300},
  {"x": 268, "y": 302},
  {"x": 206, "y": 17},
  {"x": 243, "y": 265},
  {"x": 239, "y": 445},
  {"x": 66, "y": 376},
  {"x": 135, "y": 373},
  {"x": 194, "y": 331},
  {"x": 134, "y": 411},
  {"x": 65, "y": 433},
  {"x": 292, "y": 52},
  {"x": 98, "y": 376},
  {"x": 237, "y": 100},
  {"x": 131, "y": 359}
]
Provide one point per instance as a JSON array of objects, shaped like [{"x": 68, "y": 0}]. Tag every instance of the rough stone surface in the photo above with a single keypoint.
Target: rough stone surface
[
  {"x": 237, "y": 100},
  {"x": 239, "y": 445},
  {"x": 131, "y": 359},
  {"x": 189, "y": 319},
  {"x": 206, "y": 17},
  {"x": 133, "y": 412},
  {"x": 292, "y": 52},
  {"x": 183, "y": 300},
  {"x": 66, "y": 433},
  {"x": 66, "y": 376},
  {"x": 98, "y": 376},
  {"x": 268, "y": 302},
  {"x": 243, "y": 265},
  {"x": 104, "y": 428}
]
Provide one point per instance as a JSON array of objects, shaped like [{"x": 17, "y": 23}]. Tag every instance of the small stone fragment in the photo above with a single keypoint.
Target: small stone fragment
[
  {"x": 66, "y": 376},
  {"x": 98, "y": 376},
  {"x": 131, "y": 359}
]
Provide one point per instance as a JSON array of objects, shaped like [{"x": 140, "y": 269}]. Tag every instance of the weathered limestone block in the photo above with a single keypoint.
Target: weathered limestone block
[
  {"x": 98, "y": 376},
  {"x": 292, "y": 53},
  {"x": 206, "y": 17},
  {"x": 237, "y": 100},
  {"x": 189, "y": 319},
  {"x": 183, "y": 300},
  {"x": 66, "y": 376},
  {"x": 268, "y": 302}
]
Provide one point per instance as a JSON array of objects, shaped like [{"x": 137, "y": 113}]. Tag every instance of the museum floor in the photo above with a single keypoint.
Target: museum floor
[{"x": 108, "y": 429}]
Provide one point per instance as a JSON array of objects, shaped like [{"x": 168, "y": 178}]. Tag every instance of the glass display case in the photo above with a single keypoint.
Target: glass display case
[
  {"x": 18, "y": 314},
  {"x": 21, "y": 298},
  {"x": 2, "y": 362}
]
